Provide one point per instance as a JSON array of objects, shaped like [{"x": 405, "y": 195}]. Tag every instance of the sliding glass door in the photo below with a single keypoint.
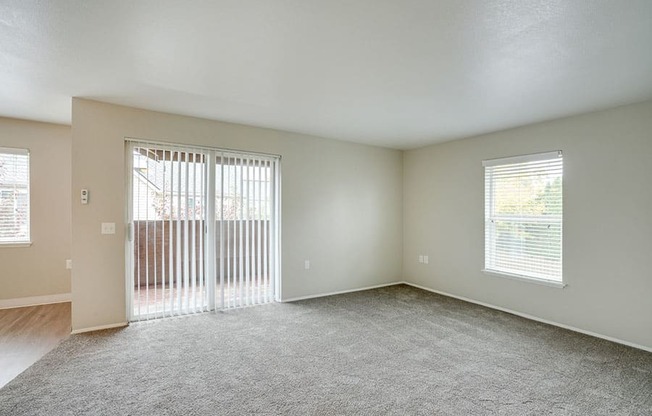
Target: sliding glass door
[{"x": 203, "y": 229}]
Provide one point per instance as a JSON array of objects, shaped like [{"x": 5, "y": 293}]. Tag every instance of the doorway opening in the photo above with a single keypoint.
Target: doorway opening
[{"x": 203, "y": 229}]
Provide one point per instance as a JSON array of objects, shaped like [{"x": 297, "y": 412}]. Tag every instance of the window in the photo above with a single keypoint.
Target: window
[
  {"x": 523, "y": 216},
  {"x": 14, "y": 196}
]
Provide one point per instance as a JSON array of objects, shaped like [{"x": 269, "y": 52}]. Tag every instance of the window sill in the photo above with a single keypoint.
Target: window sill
[
  {"x": 16, "y": 245},
  {"x": 551, "y": 283}
]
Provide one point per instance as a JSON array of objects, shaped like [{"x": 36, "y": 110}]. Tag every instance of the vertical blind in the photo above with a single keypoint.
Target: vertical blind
[
  {"x": 14, "y": 196},
  {"x": 523, "y": 216},
  {"x": 203, "y": 229}
]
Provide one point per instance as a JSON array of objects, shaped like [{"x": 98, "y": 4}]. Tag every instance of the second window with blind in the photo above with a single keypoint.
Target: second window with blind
[
  {"x": 203, "y": 229},
  {"x": 523, "y": 217},
  {"x": 14, "y": 197}
]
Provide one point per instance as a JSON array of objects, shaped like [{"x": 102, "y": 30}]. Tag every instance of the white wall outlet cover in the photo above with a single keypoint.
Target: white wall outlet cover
[
  {"x": 420, "y": 259},
  {"x": 425, "y": 259},
  {"x": 306, "y": 264},
  {"x": 108, "y": 228},
  {"x": 68, "y": 264}
]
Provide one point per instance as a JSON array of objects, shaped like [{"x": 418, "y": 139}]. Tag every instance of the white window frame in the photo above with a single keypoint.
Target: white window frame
[
  {"x": 490, "y": 266},
  {"x": 18, "y": 241}
]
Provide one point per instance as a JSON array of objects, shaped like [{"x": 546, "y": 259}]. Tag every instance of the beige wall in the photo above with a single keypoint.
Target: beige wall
[
  {"x": 342, "y": 204},
  {"x": 351, "y": 209},
  {"x": 607, "y": 221},
  {"x": 40, "y": 270}
]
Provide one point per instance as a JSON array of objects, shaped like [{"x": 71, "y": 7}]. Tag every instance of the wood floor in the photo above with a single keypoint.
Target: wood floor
[{"x": 27, "y": 334}]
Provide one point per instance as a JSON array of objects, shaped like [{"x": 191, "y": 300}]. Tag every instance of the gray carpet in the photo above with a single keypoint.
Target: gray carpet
[{"x": 396, "y": 350}]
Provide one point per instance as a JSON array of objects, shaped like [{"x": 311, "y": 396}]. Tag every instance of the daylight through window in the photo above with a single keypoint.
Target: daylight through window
[
  {"x": 14, "y": 196},
  {"x": 523, "y": 216}
]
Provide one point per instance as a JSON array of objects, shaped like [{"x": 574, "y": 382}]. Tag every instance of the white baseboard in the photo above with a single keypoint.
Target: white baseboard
[
  {"x": 533, "y": 318},
  {"x": 340, "y": 292},
  {"x": 99, "y": 328},
  {"x": 34, "y": 300}
]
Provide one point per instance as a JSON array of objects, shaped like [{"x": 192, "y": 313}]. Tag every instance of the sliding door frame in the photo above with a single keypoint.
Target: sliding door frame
[
  {"x": 212, "y": 155},
  {"x": 129, "y": 234}
]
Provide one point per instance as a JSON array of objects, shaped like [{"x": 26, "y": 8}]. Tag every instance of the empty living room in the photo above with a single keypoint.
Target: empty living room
[{"x": 325, "y": 207}]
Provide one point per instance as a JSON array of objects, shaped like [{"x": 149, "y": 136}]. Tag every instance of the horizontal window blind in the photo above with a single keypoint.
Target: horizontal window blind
[
  {"x": 523, "y": 216},
  {"x": 14, "y": 196}
]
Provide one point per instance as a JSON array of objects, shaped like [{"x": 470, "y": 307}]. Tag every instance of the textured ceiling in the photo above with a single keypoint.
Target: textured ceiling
[{"x": 393, "y": 73}]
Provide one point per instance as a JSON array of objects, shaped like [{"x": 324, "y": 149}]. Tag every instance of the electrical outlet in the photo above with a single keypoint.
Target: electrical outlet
[
  {"x": 108, "y": 228},
  {"x": 306, "y": 264},
  {"x": 68, "y": 264}
]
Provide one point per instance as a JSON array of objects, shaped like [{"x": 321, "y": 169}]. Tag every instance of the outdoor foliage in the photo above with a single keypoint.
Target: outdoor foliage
[{"x": 521, "y": 207}]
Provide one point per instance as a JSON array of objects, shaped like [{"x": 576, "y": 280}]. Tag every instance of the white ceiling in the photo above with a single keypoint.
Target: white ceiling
[{"x": 400, "y": 73}]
